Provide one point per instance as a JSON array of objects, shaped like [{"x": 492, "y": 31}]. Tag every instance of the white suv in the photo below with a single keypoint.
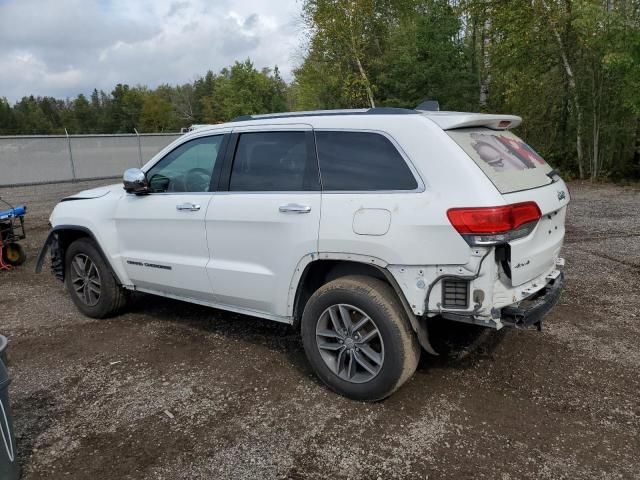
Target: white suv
[{"x": 356, "y": 225}]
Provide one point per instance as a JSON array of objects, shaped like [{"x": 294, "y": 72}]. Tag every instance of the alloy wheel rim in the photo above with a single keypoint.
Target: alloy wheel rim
[
  {"x": 350, "y": 343},
  {"x": 85, "y": 279}
]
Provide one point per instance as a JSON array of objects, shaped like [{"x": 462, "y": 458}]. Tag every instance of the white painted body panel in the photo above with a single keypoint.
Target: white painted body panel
[
  {"x": 241, "y": 253},
  {"x": 536, "y": 253},
  {"x": 96, "y": 215},
  {"x": 255, "y": 248},
  {"x": 163, "y": 248}
]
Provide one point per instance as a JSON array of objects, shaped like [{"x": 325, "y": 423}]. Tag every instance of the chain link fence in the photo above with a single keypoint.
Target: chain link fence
[{"x": 31, "y": 159}]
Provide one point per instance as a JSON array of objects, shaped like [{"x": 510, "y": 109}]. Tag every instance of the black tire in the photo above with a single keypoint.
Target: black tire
[
  {"x": 111, "y": 298},
  {"x": 14, "y": 254},
  {"x": 399, "y": 345}
]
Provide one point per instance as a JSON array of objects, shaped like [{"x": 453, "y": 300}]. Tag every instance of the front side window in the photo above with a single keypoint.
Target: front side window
[
  {"x": 361, "y": 161},
  {"x": 273, "y": 161},
  {"x": 187, "y": 168}
]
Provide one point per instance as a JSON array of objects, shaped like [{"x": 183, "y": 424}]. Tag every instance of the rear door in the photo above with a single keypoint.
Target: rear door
[
  {"x": 521, "y": 175},
  {"x": 266, "y": 217}
]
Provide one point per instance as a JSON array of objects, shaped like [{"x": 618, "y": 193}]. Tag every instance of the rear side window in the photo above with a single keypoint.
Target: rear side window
[
  {"x": 361, "y": 161},
  {"x": 273, "y": 161},
  {"x": 510, "y": 164}
]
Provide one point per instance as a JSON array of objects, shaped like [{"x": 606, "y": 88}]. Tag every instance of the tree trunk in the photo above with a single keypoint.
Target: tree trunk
[
  {"x": 576, "y": 104},
  {"x": 574, "y": 92},
  {"x": 367, "y": 86},
  {"x": 486, "y": 63},
  {"x": 363, "y": 74},
  {"x": 595, "y": 163},
  {"x": 636, "y": 152}
]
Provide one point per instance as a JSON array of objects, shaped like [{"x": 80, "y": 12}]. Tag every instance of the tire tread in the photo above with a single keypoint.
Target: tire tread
[
  {"x": 116, "y": 295},
  {"x": 386, "y": 298}
]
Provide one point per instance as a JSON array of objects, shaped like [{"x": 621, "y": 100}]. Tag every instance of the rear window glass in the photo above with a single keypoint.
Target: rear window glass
[
  {"x": 510, "y": 164},
  {"x": 361, "y": 161}
]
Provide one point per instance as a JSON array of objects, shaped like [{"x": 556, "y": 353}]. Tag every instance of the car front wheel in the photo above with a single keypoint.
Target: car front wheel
[
  {"x": 89, "y": 280},
  {"x": 358, "y": 339}
]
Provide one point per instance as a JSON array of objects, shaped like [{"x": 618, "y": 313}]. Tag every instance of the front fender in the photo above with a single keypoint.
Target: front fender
[{"x": 56, "y": 243}]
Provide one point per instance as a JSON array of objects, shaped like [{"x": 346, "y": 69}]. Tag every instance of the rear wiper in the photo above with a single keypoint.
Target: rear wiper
[{"x": 554, "y": 175}]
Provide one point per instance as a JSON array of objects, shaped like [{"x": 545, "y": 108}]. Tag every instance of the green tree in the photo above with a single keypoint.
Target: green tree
[
  {"x": 347, "y": 40},
  {"x": 243, "y": 90},
  {"x": 569, "y": 68},
  {"x": 7, "y": 118},
  {"x": 83, "y": 116},
  {"x": 123, "y": 113},
  {"x": 31, "y": 118},
  {"x": 157, "y": 113},
  {"x": 428, "y": 58}
]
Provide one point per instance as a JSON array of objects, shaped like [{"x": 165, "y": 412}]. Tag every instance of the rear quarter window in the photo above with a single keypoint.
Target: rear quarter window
[
  {"x": 361, "y": 161},
  {"x": 507, "y": 160}
]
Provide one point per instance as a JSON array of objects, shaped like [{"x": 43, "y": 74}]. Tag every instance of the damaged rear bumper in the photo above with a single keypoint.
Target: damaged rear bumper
[
  {"x": 532, "y": 310},
  {"x": 528, "y": 312}
]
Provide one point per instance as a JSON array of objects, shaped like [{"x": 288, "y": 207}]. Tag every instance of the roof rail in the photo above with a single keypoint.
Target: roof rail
[{"x": 327, "y": 113}]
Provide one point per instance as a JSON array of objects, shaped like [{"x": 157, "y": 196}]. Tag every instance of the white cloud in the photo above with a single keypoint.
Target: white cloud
[{"x": 67, "y": 47}]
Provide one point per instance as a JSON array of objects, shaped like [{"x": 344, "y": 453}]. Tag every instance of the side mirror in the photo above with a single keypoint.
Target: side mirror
[{"x": 135, "y": 181}]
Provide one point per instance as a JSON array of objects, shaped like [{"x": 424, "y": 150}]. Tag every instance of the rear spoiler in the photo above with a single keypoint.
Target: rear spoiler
[{"x": 454, "y": 120}]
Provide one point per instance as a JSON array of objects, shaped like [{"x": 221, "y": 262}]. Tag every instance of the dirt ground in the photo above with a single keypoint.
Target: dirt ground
[{"x": 90, "y": 398}]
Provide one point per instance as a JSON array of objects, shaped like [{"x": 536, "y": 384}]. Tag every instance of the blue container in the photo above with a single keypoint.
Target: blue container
[{"x": 9, "y": 469}]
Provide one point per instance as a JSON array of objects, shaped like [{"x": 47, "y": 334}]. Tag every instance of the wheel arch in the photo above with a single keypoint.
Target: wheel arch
[
  {"x": 59, "y": 239},
  {"x": 316, "y": 270}
]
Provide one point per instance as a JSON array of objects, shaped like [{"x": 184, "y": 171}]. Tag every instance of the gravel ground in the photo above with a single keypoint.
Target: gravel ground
[{"x": 171, "y": 390}]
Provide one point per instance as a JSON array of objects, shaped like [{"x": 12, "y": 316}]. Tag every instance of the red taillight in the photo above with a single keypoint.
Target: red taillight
[{"x": 493, "y": 220}]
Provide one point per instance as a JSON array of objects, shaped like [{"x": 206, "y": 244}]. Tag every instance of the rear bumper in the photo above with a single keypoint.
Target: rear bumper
[{"x": 531, "y": 311}]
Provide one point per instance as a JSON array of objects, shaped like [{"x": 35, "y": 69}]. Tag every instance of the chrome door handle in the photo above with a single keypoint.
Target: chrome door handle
[
  {"x": 294, "y": 208},
  {"x": 189, "y": 207}
]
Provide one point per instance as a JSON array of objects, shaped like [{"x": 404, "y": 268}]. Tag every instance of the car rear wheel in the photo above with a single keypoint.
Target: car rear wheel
[
  {"x": 91, "y": 284},
  {"x": 358, "y": 339}
]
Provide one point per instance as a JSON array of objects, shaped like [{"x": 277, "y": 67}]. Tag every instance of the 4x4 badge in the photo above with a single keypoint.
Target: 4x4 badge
[{"x": 561, "y": 195}]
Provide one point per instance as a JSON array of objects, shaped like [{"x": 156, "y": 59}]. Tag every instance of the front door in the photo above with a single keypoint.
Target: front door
[
  {"x": 161, "y": 235},
  {"x": 268, "y": 218}
]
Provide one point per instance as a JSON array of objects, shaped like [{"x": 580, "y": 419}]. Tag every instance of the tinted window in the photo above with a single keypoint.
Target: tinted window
[
  {"x": 273, "y": 161},
  {"x": 361, "y": 161},
  {"x": 187, "y": 168}
]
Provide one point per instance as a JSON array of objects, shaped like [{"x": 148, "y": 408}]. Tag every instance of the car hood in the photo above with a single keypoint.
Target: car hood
[{"x": 93, "y": 193}]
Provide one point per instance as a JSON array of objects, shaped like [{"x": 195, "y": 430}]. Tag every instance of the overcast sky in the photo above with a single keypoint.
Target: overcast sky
[{"x": 64, "y": 47}]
